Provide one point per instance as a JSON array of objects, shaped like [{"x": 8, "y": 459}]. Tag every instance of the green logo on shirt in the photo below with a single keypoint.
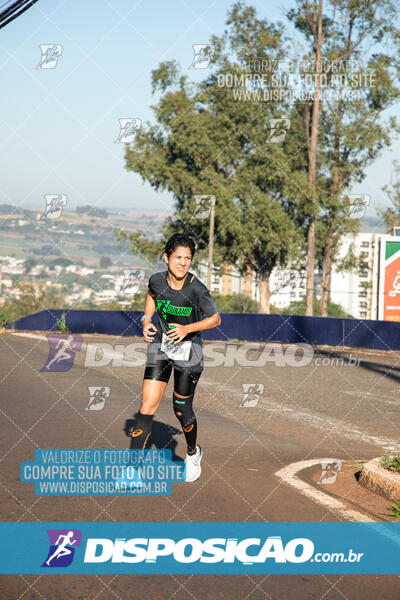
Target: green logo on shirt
[{"x": 166, "y": 308}]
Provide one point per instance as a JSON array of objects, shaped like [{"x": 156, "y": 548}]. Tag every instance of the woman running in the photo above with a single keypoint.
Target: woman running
[{"x": 182, "y": 302}]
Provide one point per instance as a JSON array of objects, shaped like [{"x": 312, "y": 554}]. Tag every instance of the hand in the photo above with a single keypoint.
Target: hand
[
  {"x": 177, "y": 333},
  {"x": 147, "y": 331}
]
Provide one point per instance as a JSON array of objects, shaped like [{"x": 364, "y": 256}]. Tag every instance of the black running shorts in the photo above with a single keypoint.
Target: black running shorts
[{"x": 184, "y": 382}]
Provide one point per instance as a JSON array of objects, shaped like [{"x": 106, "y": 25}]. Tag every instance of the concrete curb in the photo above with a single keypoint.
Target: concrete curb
[{"x": 380, "y": 480}]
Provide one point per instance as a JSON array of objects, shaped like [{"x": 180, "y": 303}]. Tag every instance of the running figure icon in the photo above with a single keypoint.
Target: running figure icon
[
  {"x": 62, "y": 347},
  {"x": 62, "y": 549}
]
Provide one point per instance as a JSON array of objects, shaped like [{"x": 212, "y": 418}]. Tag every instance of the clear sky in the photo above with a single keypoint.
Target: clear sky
[{"x": 58, "y": 126}]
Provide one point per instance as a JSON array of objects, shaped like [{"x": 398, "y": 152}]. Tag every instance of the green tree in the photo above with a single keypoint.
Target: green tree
[
  {"x": 30, "y": 302},
  {"x": 391, "y": 215},
  {"x": 62, "y": 262},
  {"x": 93, "y": 211},
  {"x": 104, "y": 262},
  {"x": 353, "y": 135},
  {"x": 29, "y": 263},
  {"x": 235, "y": 303},
  {"x": 137, "y": 302},
  {"x": 206, "y": 142},
  {"x": 339, "y": 30},
  {"x": 272, "y": 199},
  {"x": 299, "y": 308}
]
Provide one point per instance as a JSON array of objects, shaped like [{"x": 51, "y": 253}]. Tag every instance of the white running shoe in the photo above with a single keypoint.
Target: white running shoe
[{"x": 192, "y": 464}]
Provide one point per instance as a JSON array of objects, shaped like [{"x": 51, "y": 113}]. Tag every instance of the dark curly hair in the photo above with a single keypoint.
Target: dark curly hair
[{"x": 179, "y": 239}]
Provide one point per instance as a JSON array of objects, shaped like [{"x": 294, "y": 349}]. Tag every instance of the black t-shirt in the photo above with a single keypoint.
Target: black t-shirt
[{"x": 190, "y": 304}]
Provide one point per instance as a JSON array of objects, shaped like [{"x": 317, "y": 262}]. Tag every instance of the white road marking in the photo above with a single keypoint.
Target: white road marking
[
  {"x": 336, "y": 426},
  {"x": 288, "y": 474},
  {"x": 333, "y": 425},
  {"x": 32, "y": 336},
  {"x": 374, "y": 396},
  {"x": 312, "y": 419}
]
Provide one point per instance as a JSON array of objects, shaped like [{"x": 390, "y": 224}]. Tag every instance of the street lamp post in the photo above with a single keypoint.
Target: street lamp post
[{"x": 211, "y": 243}]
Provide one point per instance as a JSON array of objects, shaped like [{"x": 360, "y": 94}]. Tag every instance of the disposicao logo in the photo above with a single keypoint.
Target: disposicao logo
[
  {"x": 190, "y": 550},
  {"x": 62, "y": 547},
  {"x": 62, "y": 351}
]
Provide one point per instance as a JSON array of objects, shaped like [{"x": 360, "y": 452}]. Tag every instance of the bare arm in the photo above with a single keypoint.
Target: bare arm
[
  {"x": 208, "y": 323},
  {"x": 179, "y": 332},
  {"x": 149, "y": 329},
  {"x": 150, "y": 305}
]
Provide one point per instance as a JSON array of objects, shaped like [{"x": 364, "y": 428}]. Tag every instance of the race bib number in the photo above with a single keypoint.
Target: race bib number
[{"x": 175, "y": 351}]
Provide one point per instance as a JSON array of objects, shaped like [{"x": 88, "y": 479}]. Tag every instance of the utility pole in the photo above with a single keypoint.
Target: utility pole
[{"x": 211, "y": 242}]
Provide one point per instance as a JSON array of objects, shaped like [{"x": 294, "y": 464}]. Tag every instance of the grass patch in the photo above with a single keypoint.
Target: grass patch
[
  {"x": 394, "y": 511},
  {"x": 392, "y": 463},
  {"x": 61, "y": 324}
]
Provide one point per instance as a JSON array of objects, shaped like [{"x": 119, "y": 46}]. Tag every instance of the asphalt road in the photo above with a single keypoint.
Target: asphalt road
[{"x": 295, "y": 413}]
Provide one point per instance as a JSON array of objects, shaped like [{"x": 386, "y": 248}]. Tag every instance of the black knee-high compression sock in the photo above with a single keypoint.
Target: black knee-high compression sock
[
  {"x": 141, "y": 431},
  {"x": 191, "y": 436},
  {"x": 183, "y": 409}
]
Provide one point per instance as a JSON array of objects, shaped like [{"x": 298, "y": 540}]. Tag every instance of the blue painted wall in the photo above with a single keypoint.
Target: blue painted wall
[{"x": 378, "y": 335}]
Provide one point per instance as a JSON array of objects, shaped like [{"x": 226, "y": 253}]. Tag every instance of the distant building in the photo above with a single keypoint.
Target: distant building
[
  {"x": 361, "y": 292},
  {"x": 79, "y": 270},
  {"x": 12, "y": 265},
  {"x": 36, "y": 286},
  {"x": 286, "y": 285},
  {"x": 104, "y": 296},
  {"x": 354, "y": 290},
  {"x": 231, "y": 282},
  {"x": 371, "y": 291},
  {"x": 72, "y": 268}
]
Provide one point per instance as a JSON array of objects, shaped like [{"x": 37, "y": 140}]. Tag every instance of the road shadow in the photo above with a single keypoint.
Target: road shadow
[{"x": 390, "y": 371}]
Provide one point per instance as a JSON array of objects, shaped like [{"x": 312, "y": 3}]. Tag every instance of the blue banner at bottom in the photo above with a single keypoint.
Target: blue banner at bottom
[{"x": 210, "y": 548}]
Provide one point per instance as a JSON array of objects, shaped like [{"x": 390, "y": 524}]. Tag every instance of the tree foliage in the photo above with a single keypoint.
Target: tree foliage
[
  {"x": 30, "y": 302},
  {"x": 205, "y": 142},
  {"x": 272, "y": 199},
  {"x": 391, "y": 215}
]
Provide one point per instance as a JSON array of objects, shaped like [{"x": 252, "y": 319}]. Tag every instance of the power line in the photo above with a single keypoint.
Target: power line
[{"x": 14, "y": 11}]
